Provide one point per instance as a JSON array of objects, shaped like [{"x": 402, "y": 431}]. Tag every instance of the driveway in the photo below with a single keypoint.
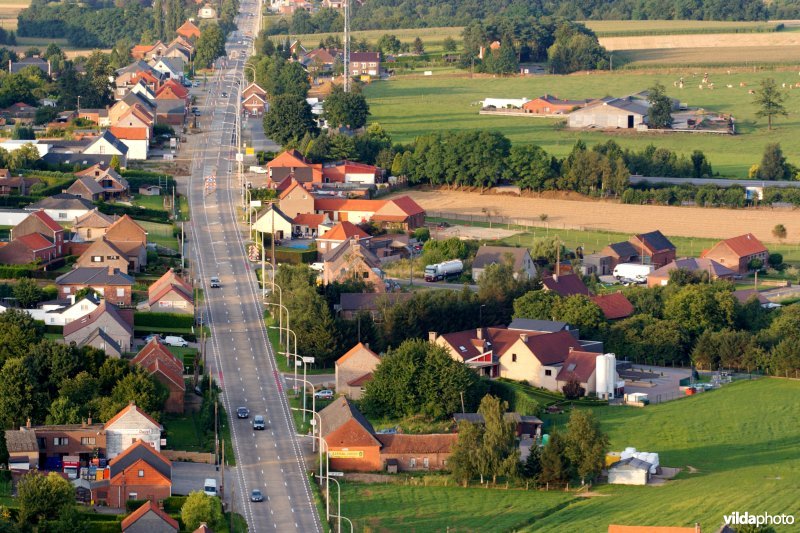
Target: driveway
[
  {"x": 189, "y": 477},
  {"x": 662, "y": 385}
]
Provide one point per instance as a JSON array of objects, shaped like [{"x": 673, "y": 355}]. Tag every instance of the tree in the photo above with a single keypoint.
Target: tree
[
  {"x": 419, "y": 48},
  {"x": 466, "y": 452},
  {"x": 345, "y": 109},
  {"x": 158, "y": 19},
  {"x": 499, "y": 438},
  {"x": 210, "y": 45},
  {"x": 572, "y": 389},
  {"x": 199, "y": 508},
  {"x": 27, "y": 293},
  {"x": 769, "y": 101},
  {"x": 449, "y": 44},
  {"x": 137, "y": 387},
  {"x": 536, "y": 305},
  {"x": 659, "y": 114},
  {"x": 696, "y": 308},
  {"x": 422, "y": 235},
  {"x": 18, "y": 332},
  {"x": 115, "y": 163},
  {"x": 389, "y": 44},
  {"x": 579, "y": 311},
  {"x": 23, "y": 157},
  {"x": 41, "y": 497},
  {"x": 585, "y": 444},
  {"x": 555, "y": 466},
  {"x": 289, "y": 117},
  {"x": 779, "y": 231},
  {"x": 532, "y": 467},
  {"x": 530, "y": 167},
  {"x": 20, "y": 398},
  {"x": 773, "y": 164},
  {"x": 301, "y": 22}
]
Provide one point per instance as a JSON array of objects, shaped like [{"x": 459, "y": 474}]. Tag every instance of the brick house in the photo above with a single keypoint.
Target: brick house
[
  {"x": 349, "y": 437},
  {"x": 409, "y": 453},
  {"x": 103, "y": 253},
  {"x": 254, "y": 99},
  {"x": 736, "y": 253},
  {"x": 401, "y": 212},
  {"x": 149, "y": 519},
  {"x": 92, "y": 225},
  {"x": 565, "y": 284},
  {"x": 113, "y": 285},
  {"x": 365, "y": 63},
  {"x": 42, "y": 223},
  {"x": 139, "y": 473},
  {"x": 350, "y": 260},
  {"x": 296, "y": 200},
  {"x": 86, "y": 188},
  {"x": 522, "y": 263},
  {"x": 159, "y": 362},
  {"x": 47, "y": 445},
  {"x": 341, "y": 232},
  {"x": 292, "y": 163},
  {"x": 550, "y": 105},
  {"x": 170, "y": 294},
  {"x": 27, "y": 249},
  {"x": 354, "y": 369},
  {"x": 654, "y": 248},
  {"x": 104, "y": 328},
  {"x": 129, "y": 426},
  {"x": 113, "y": 186},
  {"x": 131, "y": 239}
]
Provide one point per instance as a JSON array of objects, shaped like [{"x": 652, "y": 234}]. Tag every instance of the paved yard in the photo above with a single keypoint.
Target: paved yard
[
  {"x": 663, "y": 388},
  {"x": 189, "y": 477}
]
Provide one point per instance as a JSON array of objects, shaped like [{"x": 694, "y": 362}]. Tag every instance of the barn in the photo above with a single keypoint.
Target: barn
[{"x": 629, "y": 471}]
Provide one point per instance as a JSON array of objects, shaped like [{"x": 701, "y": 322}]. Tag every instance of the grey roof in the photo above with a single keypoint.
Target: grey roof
[
  {"x": 113, "y": 141},
  {"x": 370, "y": 258},
  {"x": 170, "y": 106},
  {"x": 656, "y": 240},
  {"x": 104, "y": 336},
  {"x": 368, "y": 301},
  {"x": 528, "y": 324},
  {"x": 135, "y": 98},
  {"x": 175, "y": 64},
  {"x": 338, "y": 413},
  {"x": 624, "y": 249},
  {"x": 87, "y": 182},
  {"x": 278, "y": 212},
  {"x": 61, "y": 201},
  {"x": 477, "y": 418},
  {"x": 632, "y": 462},
  {"x": 22, "y": 440},
  {"x": 38, "y": 62},
  {"x": 694, "y": 264},
  {"x": 137, "y": 66},
  {"x": 84, "y": 160},
  {"x": 490, "y": 255},
  {"x": 130, "y": 456},
  {"x": 94, "y": 276},
  {"x": 631, "y": 105}
]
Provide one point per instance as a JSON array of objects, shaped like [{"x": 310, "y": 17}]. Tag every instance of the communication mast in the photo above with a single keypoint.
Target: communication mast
[{"x": 346, "y": 46}]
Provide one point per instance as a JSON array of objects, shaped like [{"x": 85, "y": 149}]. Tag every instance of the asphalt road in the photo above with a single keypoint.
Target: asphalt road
[{"x": 240, "y": 356}]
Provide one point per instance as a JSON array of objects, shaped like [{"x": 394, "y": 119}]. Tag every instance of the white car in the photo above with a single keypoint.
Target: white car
[
  {"x": 173, "y": 340},
  {"x": 215, "y": 283}
]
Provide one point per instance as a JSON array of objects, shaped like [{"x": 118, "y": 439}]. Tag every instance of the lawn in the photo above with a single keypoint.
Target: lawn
[
  {"x": 160, "y": 233},
  {"x": 149, "y": 202},
  {"x": 395, "y": 507},
  {"x": 412, "y": 106},
  {"x": 185, "y": 433}
]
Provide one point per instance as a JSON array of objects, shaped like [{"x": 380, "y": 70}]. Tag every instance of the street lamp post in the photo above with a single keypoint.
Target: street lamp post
[{"x": 321, "y": 440}]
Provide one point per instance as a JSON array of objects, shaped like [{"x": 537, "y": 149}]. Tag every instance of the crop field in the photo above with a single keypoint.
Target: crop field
[
  {"x": 724, "y": 40},
  {"x": 736, "y": 448},
  {"x": 707, "y": 57},
  {"x": 9, "y": 9},
  {"x": 605, "y": 28},
  {"x": 432, "y": 38},
  {"x": 408, "y": 106}
]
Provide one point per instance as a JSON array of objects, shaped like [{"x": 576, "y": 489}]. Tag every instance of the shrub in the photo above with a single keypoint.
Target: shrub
[
  {"x": 132, "y": 505},
  {"x": 518, "y": 401},
  {"x": 295, "y": 257},
  {"x": 163, "y": 320},
  {"x": 775, "y": 260},
  {"x": 151, "y": 215}
]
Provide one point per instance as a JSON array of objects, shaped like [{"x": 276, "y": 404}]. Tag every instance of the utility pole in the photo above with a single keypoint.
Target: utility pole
[
  {"x": 216, "y": 433},
  {"x": 346, "y": 62},
  {"x": 183, "y": 247}
]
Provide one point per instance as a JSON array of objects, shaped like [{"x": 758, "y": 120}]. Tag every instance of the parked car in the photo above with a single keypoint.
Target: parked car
[
  {"x": 256, "y": 496},
  {"x": 224, "y": 94},
  {"x": 215, "y": 283},
  {"x": 153, "y": 336},
  {"x": 258, "y": 422},
  {"x": 324, "y": 394},
  {"x": 174, "y": 340},
  {"x": 242, "y": 412}
]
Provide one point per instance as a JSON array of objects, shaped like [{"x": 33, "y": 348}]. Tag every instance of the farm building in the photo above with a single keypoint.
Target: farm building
[
  {"x": 550, "y": 105},
  {"x": 610, "y": 113},
  {"x": 504, "y": 103},
  {"x": 630, "y": 471}
]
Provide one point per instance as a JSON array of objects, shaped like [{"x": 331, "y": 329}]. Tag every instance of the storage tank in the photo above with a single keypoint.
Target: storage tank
[
  {"x": 601, "y": 375},
  {"x": 611, "y": 379}
]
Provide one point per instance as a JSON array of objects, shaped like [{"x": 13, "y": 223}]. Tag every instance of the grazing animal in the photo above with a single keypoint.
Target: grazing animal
[
  {"x": 700, "y": 86},
  {"x": 730, "y": 86},
  {"x": 751, "y": 91},
  {"x": 742, "y": 84}
]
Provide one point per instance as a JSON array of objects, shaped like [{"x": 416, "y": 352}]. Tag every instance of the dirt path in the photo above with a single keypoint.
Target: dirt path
[{"x": 610, "y": 216}]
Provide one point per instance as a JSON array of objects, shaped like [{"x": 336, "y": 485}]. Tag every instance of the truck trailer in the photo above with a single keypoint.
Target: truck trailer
[
  {"x": 440, "y": 271},
  {"x": 633, "y": 272}
]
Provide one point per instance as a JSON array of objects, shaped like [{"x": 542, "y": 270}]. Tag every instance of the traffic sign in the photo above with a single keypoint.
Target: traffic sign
[{"x": 336, "y": 474}]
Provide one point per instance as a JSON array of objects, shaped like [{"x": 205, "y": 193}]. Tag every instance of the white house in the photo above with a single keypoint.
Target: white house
[
  {"x": 128, "y": 426},
  {"x": 272, "y": 220},
  {"x": 142, "y": 90},
  {"x": 57, "y": 314},
  {"x": 505, "y": 103},
  {"x": 136, "y": 140},
  {"x": 171, "y": 67},
  {"x": 12, "y": 217},
  {"x": 107, "y": 144},
  {"x": 63, "y": 207}
]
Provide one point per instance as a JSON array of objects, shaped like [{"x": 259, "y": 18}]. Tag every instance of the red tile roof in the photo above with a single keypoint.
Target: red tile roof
[
  {"x": 156, "y": 358},
  {"x": 355, "y": 349},
  {"x": 399, "y": 444},
  {"x": 359, "y": 381},
  {"x": 343, "y": 231},
  {"x": 407, "y": 205},
  {"x": 49, "y": 222},
  {"x": 129, "y": 134},
  {"x": 149, "y": 506},
  {"x": 745, "y": 245},
  {"x": 309, "y": 219},
  {"x": 340, "y": 204},
  {"x": 578, "y": 365},
  {"x": 614, "y": 305},
  {"x": 35, "y": 241}
]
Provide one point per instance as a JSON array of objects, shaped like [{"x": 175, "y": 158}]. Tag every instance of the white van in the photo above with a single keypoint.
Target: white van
[
  {"x": 210, "y": 487},
  {"x": 172, "y": 340}
]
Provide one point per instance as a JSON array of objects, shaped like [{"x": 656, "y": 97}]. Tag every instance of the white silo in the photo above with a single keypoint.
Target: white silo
[
  {"x": 601, "y": 376},
  {"x": 611, "y": 379}
]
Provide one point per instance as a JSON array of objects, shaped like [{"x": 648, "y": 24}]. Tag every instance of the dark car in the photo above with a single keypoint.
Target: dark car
[
  {"x": 256, "y": 496},
  {"x": 242, "y": 412},
  {"x": 224, "y": 95},
  {"x": 258, "y": 422}
]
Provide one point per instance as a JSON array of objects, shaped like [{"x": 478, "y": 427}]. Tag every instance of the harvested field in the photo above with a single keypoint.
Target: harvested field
[
  {"x": 610, "y": 216},
  {"x": 474, "y": 232},
  {"x": 665, "y": 27},
  {"x": 725, "y": 56},
  {"x": 720, "y": 40}
]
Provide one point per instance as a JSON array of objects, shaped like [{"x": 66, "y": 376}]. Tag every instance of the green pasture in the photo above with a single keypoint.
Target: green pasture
[
  {"x": 160, "y": 234},
  {"x": 412, "y": 106}
]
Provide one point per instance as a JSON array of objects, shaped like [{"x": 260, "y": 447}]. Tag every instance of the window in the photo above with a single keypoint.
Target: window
[
  {"x": 89, "y": 233},
  {"x": 112, "y": 257},
  {"x": 513, "y": 358},
  {"x": 365, "y": 275},
  {"x": 120, "y": 293},
  {"x": 67, "y": 290},
  {"x": 141, "y": 473},
  {"x": 412, "y": 463},
  {"x": 548, "y": 372},
  {"x": 97, "y": 259},
  {"x": 62, "y": 215},
  {"x": 88, "y": 441},
  {"x": 425, "y": 462},
  {"x": 60, "y": 441},
  {"x": 133, "y": 495}
]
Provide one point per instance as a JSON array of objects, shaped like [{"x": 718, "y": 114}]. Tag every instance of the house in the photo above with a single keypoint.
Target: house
[
  {"x": 737, "y": 253},
  {"x": 92, "y": 225},
  {"x": 254, "y": 99},
  {"x": 140, "y": 472},
  {"x": 149, "y": 519},
  {"x": 401, "y": 212},
  {"x": 134, "y": 116},
  {"x": 543, "y": 326},
  {"x": 494, "y": 255},
  {"x": 108, "y": 144},
  {"x": 74, "y": 158},
  {"x": 62, "y": 312},
  {"x": 308, "y": 226},
  {"x": 350, "y": 260},
  {"x": 319, "y": 61},
  {"x": 565, "y": 285},
  {"x": 409, "y": 453},
  {"x": 170, "y": 294},
  {"x": 136, "y": 140},
  {"x": 62, "y": 207},
  {"x": 550, "y": 105},
  {"x": 113, "y": 285},
  {"x": 144, "y": 51},
  {"x": 103, "y": 328},
  {"x": 15, "y": 184},
  {"x": 714, "y": 270},
  {"x": 654, "y": 248},
  {"x": 23, "y": 449},
  {"x": 630, "y": 471},
  {"x": 35, "y": 61},
  {"x": 292, "y": 163},
  {"x": 45, "y": 446},
  {"x": 40, "y": 222},
  {"x": 31, "y": 248},
  {"x": 354, "y": 369},
  {"x": 159, "y": 362},
  {"x": 350, "y": 172},
  {"x": 172, "y": 90},
  {"x": 349, "y": 437},
  {"x": 581, "y": 367},
  {"x": 341, "y": 232},
  {"x": 189, "y": 31},
  {"x": 295, "y": 200},
  {"x": 170, "y": 111},
  {"x": 97, "y": 116},
  {"x": 113, "y": 185},
  {"x": 86, "y": 188},
  {"x": 207, "y": 12},
  {"x": 128, "y": 76},
  {"x": 20, "y": 112},
  {"x": 127, "y": 427},
  {"x": 614, "y": 305},
  {"x": 610, "y": 113},
  {"x": 131, "y": 238},
  {"x": 274, "y": 221},
  {"x": 745, "y": 295},
  {"x": 365, "y": 64},
  {"x": 103, "y": 253},
  {"x": 375, "y": 304}
]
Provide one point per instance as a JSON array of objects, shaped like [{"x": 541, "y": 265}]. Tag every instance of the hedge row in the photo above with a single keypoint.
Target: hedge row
[
  {"x": 295, "y": 258},
  {"x": 163, "y": 320},
  {"x": 518, "y": 401},
  {"x": 151, "y": 215},
  {"x": 19, "y": 272},
  {"x": 16, "y": 202}
]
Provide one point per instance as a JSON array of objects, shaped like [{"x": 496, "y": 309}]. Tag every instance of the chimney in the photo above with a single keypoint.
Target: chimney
[
  {"x": 366, "y": 345},
  {"x": 431, "y": 336},
  {"x": 480, "y": 333},
  {"x": 89, "y": 420},
  {"x": 570, "y": 349},
  {"x": 28, "y": 423},
  {"x": 524, "y": 337},
  {"x": 110, "y": 270}
]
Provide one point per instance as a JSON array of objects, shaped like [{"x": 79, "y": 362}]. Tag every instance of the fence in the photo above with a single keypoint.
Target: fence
[
  {"x": 509, "y": 222},
  {"x": 189, "y": 457}
]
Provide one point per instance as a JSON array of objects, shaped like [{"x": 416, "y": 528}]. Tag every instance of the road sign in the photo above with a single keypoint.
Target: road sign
[
  {"x": 239, "y": 157},
  {"x": 336, "y": 474},
  {"x": 309, "y": 360}
]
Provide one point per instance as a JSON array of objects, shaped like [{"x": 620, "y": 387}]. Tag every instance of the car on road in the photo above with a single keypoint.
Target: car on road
[
  {"x": 242, "y": 412},
  {"x": 153, "y": 336},
  {"x": 224, "y": 95},
  {"x": 215, "y": 283},
  {"x": 324, "y": 394},
  {"x": 258, "y": 422},
  {"x": 195, "y": 84},
  {"x": 256, "y": 496},
  {"x": 174, "y": 340}
]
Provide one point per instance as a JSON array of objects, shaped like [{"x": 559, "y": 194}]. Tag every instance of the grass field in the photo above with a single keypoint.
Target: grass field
[
  {"x": 741, "y": 440},
  {"x": 160, "y": 234},
  {"x": 409, "y": 106},
  {"x": 702, "y": 56},
  {"x": 675, "y": 27}
]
